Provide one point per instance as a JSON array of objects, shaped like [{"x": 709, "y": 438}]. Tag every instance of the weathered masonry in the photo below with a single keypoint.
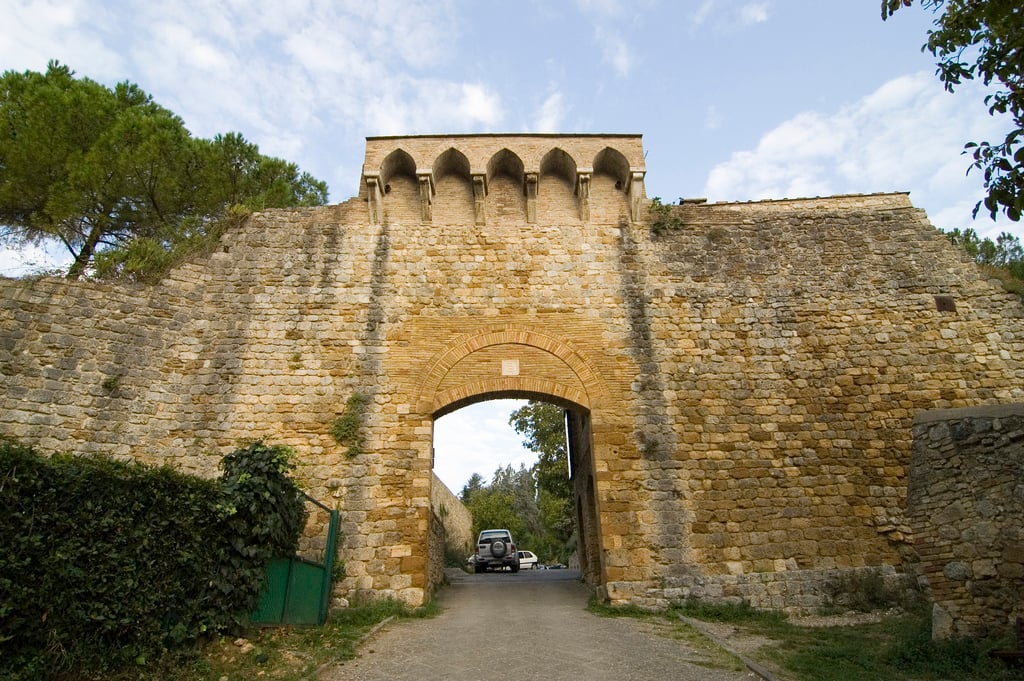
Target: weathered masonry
[
  {"x": 741, "y": 388},
  {"x": 965, "y": 506}
]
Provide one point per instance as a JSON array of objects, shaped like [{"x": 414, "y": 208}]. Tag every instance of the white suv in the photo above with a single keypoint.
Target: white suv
[{"x": 495, "y": 549}]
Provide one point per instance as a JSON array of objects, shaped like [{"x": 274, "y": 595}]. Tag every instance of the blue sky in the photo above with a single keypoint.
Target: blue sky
[{"x": 735, "y": 99}]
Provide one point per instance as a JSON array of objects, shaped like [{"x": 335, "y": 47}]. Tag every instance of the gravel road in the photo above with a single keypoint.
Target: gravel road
[{"x": 532, "y": 626}]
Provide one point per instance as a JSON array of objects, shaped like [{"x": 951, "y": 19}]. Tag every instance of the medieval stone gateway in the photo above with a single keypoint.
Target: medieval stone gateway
[{"x": 740, "y": 388}]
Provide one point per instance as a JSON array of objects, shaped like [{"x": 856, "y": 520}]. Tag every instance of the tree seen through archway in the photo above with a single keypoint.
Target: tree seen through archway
[{"x": 534, "y": 503}]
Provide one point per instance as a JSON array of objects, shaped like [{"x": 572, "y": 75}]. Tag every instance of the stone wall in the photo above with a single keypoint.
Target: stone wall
[
  {"x": 742, "y": 387},
  {"x": 436, "y": 541},
  {"x": 790, "y": 345},
  {"x": 966, "y": 508},
  {"x": 454, "y": 517}
]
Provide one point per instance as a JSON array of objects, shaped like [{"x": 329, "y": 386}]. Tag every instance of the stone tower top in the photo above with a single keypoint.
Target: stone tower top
[{"x": 480, "y": 158}]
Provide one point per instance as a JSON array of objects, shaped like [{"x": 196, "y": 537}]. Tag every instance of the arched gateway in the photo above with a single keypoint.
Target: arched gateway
[
  {"x": 740, "y": 379},
  {"x": 500, "y": 361}
]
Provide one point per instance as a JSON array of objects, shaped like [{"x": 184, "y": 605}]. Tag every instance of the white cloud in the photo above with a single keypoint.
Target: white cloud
[
  {"x": 36, "y": 32},
  {"x": 726, "y": 15},
  {"x": 614, "y": 51},
  {"x": 17, "y": 262},
  {"x": 552, "y": 111},
  {"x": 478, "y": 439},
  {"x": 703, "y": 12},
  {"x": 905, "y": 136},
  {"x": 409, "y": 106},
  {"x": 478, "y": 105},
  {"x": 754, "y": 13},
  {"x": 294, "y": 78},
  {"x": 607, "y": 8},
  {"x": 712, "y": 118},
  {"x": 195, "y": 51}
]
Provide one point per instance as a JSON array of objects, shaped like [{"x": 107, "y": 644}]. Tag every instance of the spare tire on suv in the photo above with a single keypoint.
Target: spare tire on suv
[{"x": 495, "y": 549}]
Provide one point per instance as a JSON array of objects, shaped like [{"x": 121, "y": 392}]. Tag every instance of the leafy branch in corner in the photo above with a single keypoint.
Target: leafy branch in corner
[{"x": 981, "y": 40}]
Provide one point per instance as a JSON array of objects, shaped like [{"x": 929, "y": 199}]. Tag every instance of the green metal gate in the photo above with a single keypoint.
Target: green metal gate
[{"x": 298, "y": 591}]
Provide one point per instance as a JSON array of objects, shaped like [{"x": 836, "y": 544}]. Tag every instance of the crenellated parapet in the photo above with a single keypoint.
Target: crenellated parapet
[{"x": 528, "y": 161}]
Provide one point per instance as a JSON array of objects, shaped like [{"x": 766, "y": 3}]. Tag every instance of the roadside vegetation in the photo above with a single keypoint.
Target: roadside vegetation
[
  {"x": 110, "y": 565},
  {"x": 895, "y": 646},
  {"x": 703, "y": 651},
  {"x": 280, "y": 653}
]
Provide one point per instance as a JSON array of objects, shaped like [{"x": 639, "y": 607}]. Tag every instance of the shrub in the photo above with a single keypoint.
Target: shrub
[
  {"x": 662, "y": 218},
  {"x": 107, "y": 563},
  {"x": 347, "y": 428}
]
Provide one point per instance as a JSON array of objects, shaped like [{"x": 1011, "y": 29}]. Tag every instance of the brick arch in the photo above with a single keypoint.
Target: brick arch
[
  {"x": 611, "y": 161},
  {"x": 541, "y": 390},
  {"x": 451, "y": 162},
  {"x": 559, "y": 163},
  {"x": 506, "y": 163},
  {"x": 557, "y": 202},
  {"x": 453, "y": 197},
  {"x": 432, "y": 400},
  {"x": 397, "y": 164}
]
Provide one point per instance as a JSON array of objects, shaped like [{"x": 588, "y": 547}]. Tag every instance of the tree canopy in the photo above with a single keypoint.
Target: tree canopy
[
  {"x": 543, "y": 427},
  {"x": 110, "y": 171},
  {"x": 1005, "y": 253},
  {"x": 984, "y": 39}
]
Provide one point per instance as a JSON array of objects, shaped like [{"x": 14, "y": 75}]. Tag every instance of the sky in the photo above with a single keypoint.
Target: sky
[{"x": 736, "y": 99}]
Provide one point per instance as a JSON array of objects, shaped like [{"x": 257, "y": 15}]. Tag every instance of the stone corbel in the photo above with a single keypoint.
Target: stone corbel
[
  {"x": 636, "y": 194},
  {"x": 583, "y": 193},
  {"x": 373, "y": 197},
  {"x": 479, "y": 194},
  {"x": 426, "y": 195},
  {"x": 531, "y": 197}
]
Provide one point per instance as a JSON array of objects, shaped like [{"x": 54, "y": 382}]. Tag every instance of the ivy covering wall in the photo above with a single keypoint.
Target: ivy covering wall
[{"x": 107, "y": 563}]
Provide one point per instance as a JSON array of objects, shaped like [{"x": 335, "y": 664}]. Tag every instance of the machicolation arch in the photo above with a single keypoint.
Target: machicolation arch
[{"x": 741, "y": 388}]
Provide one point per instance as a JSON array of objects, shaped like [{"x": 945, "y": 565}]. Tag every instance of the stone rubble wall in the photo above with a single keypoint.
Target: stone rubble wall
[
  {"x": 436, "y": 541},
  {"x": 454, "y": 517},
  {"x": 966, "y": 508},
  {"x": 748, "y": 380},
  {"x": 788, "y": 347}
]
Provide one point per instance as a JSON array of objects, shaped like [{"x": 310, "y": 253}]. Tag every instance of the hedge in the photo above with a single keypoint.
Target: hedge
[{"x": 106, "y": 563}]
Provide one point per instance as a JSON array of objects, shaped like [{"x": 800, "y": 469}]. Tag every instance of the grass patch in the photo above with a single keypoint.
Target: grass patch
[
  {"x": 898, "y": 648},
  {"x": 701, "y": 651},
  {"x": 280, "y": 653},
  {"x": 733, "y": 613}
]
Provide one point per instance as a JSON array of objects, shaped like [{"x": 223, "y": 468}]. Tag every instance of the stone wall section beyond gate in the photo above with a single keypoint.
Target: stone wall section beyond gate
[
  {"x": 747, "y": 381},
  {"x": 454, "y": 517},
  {"x": 966, "y": 509}
]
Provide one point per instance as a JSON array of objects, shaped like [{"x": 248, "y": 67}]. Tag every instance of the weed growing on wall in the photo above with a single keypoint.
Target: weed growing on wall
[
  {"x": 347, "y": 428},
  {"x": 110, "y": 384},
  {"x": 107, "y": 563},
  {"x": 662, "y": 220}
]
